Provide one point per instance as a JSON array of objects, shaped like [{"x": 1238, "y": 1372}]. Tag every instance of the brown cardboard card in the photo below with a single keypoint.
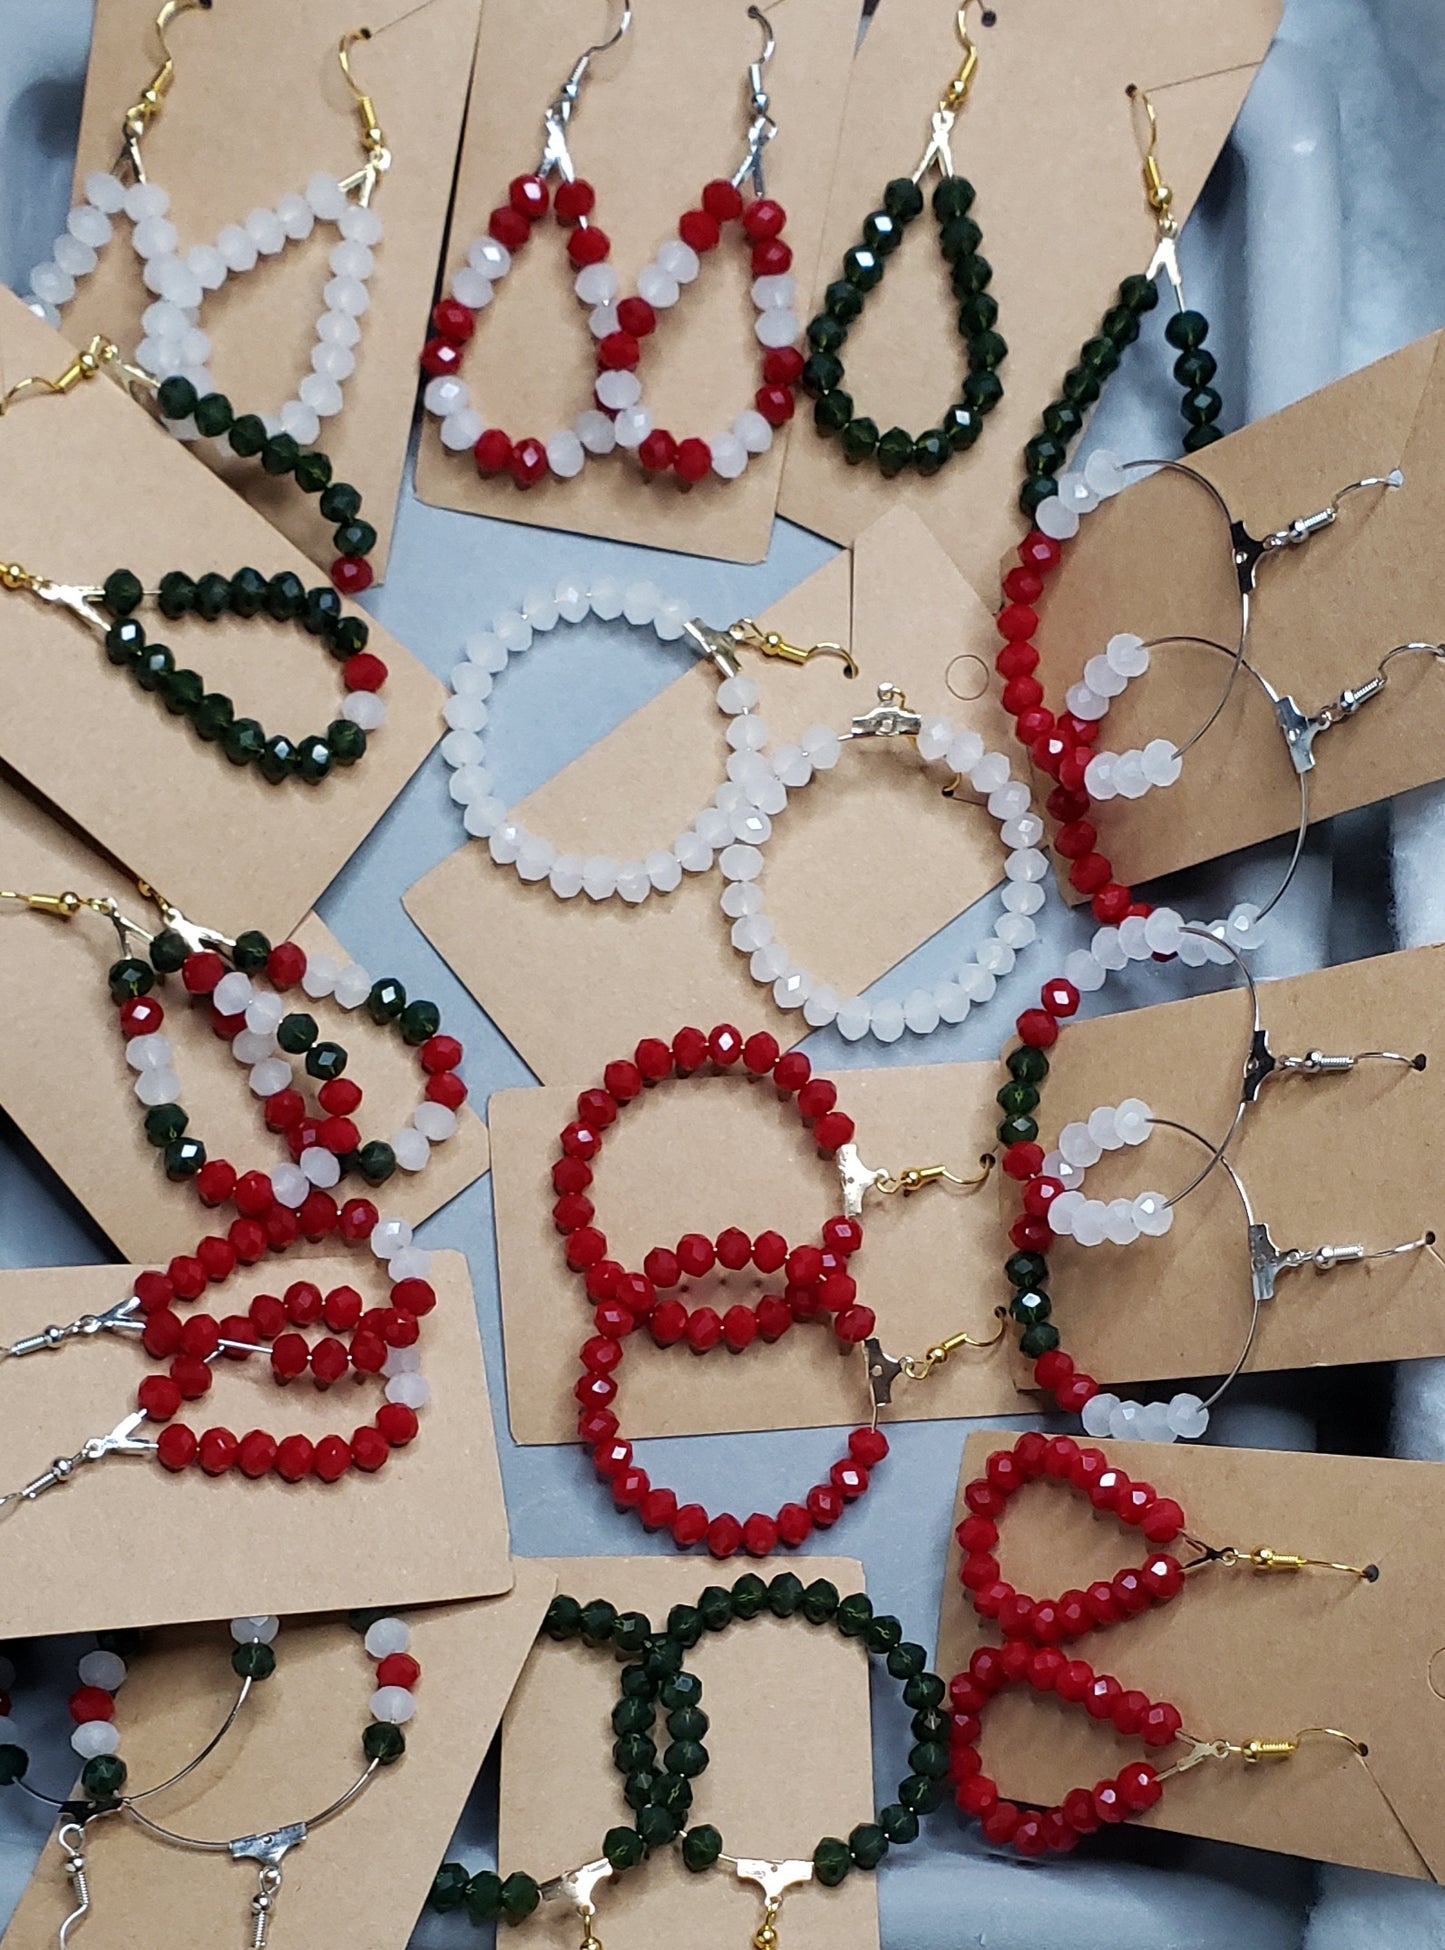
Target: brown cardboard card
[
  {"x": 660, "y": 114},
  {"x": 96, "y": 1551},
  {"x": 1063, "y": 217},
  {"x": 89, "y": 484},
  {"x": 831, "y": 873},
  {"x": 1157, "y": 560},
  {"x": 258, "y": 106},
  {"x": 1243, "y": 1654},
  {"x": 295, "y": 1747},
  {"x": 1352, "y": 1159},
  {"x": 697, "y": 1157},
  {"x": 72, "y": 1093},
  {"x": 791, "y": 1760}
]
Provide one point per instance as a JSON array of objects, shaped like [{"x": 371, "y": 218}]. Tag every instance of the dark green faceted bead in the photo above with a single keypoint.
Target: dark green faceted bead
[
  {"x": 860, "y": 439},
  {"x": 895, "y": 451},
  {"x": 243, "y": 741},
  {"x": 130, "y": 978},
  {"x": 663, "y": 1658},
  {"x": 930, "y": 1759},
  {"x": 1196, "y": 368},
  {"x": 361, "y": 1618},
  {"x": 121, "y": 592},
  {"x": 832, "y": 1860},
  {"x": 386, "y": 1001},
  {"x": 183, "y": 1159},
  {"x": 961, "y": 427},
  {"x": 1202, "y": 406},
  {"x": 883, "y": 1633},
  {"x": 924, "y": 1689},
  {"x": 325, "y": 1062},
  {"x": 680, "y": 1689},
  {"x": 213, "y": 716},
  {"x": 971, "y": 274},
  {"x": 1139, "y": 294},
  {"x": 351, "y": 634},
  {"x": 1019, "y": 1129},
  {"x": 673, "y": 1792},
  {"x": 637, "y": 1684},
  {"x": 355, "y": 538},
  {"x": 701, "y": 1847},
  {"x": 623, "y": 1848},
  {"x": 632, "y": 1751},
  {"x": 833, "y": 411},
  {"x": 684, "y": 1623},
  {"x": 1100, "y": 355},
  {"x": 1030, "y": 1306},
  {"x": 820, "y": 1601},
  {"x": 632, "y": 1628},
  {"x": 168, "y": 950},
  {"x": 448, "y": 1888},
  {"x": 286, "y": 596},
  {"x": 903, "y": 199},
  {"x": 214, "y": 415},
  {"x": 165, "y": 1123},
  {"x": 1120, "y": 324},
  {"x": 154, "y": 664},
  {"x": 977, "y": 313},
  {"x": 952, "y": 198},
  {"x": 1045, "y": 454},
  {"x": 986, "y": 352},
  {"x": 882, "y": 233},
  {"x": 750, "y": 1596},
  {"x": 313, "y": 759},
  {"x": 598, "y": 1619},
  {"x": 14, "y": 1761},
  {"x": 920, "y": 1794},
  {"x": 313, "y": 472},
  {"x": 1041, "y": 1338},
  {"x": 640, "y": 1787},
  {"x": 103, "y": 1776},
  {"x": 1028, "y": 1064},
  {"x": 1026, "y": 1269},
  {"x": 688, "y": 1723},
  {"x": 182, "y": 691},
  {"x": 633, "y": 1716},
  {"x": 253, "y": 1661},
  {"x": 1081, "y": 385},
  {"x": 340, "y": 502},
  {"x": 854, "y": 1615},
  {"x": 213, "y": 596},
  {"x": 1037, "y": 489},
  {"x": 982, "y": 391},
  {"x": 175, "y": 594},
  {"x": 868, "y": 1845},
  {"x": 1201, "y": 436},
  {"x": 296, "y": 1033},
  {"x": 176, "y": 397},
  {"x": 785, "y": 1592},
  {"x": 657, "y": 1826},
  {"x": 251, "y": 951},
  {"x": 484, "y": 1897},
  {"x": 246, "y": 591},
  {"x": 842, "y": 302},
  {"x": 862, "y": 267},
  {"x": 822, "y": 373},
  {"x": 520, "y": 1896},
  {"x": 715, "y": 1603},
  {"x": 347, "y": 741},
  {"x": 1187, "y": 330},
  {"x": 688, "y": 1757},
  {"x": 125, "y": 643},
  {"x": 898, "y": 1823},
  {"x": 280, "y": 454},
  {"x": 1017, "y": 1098},
  {"x": 960, "y": 238},
  {"x": 1062, "y": 419},
  {"x": 321, "y": 612},
  {"x": 563, "y": 1618},
  {"x": 248, "y": 436},
  {"x": 279, "y": 759},
  {"x": 930, "y": 450},
  {"x": 931, "y": 1723},
  {"x": 420, "y": 1021},
  {"x": 905, "y": 1659},
  {"x": 828, "y": 334}
]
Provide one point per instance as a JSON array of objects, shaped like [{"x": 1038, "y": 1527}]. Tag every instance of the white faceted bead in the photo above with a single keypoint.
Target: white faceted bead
[
  {"x": 390, "y": 1237},
  {"x": 1026, "y": 863},
  {"x": 394, "y": 1705},
  {"x": 290, "y": 1185},
  {"x": 103, "y": 1669},
  {"x": 1107, "y": 949},
  {"x": 296, "y": 216},
  {"x": 633, "y": 424},
  {"x": 693, "y": 853},
  {"x": 471, "y": 287},
  {"x": 1214, "y": 947},
  {"x": 260, "y": 1628},
  {"x": 411, "y": 1264},
  {"x": 792, "y": 989},
  {"x": 1075, "y": 493},
  {"x": 729, "y": 456},
  {"x": 1132, "y": 939},
  {"x": 1153, "y": 1423},
  {"x": 489, "y": 257},
  {"x": 207, "y": 265},
  {"x": 349, "y": 259},
  {"x": 739, "y": 862},
  {"x": 740, "y": 897},
  {"x": 792, "y": 766},
  {"x": 302, "y": 422},
  {"x": 1015, "y": 930},
  {"x": 921, "y": 1012},
  {"x": 822, "y": 746},
  {"x": 1084, "y": 971},
  {"x": 989, "y": 773},
  {"x": 1007, "y": 801},
  {"x": 320, "y": 976},
  {"x": 603, "y": 321},
  {"x": 747, "y": 733},
  {"x": 1097, "y": 1413},
  {"x": 965, "y": 750},
  {"x": 599, "y": 877},
  {"x": 361, "y": 225},
  {"x": 996, "y": 958},
  {"x": 159, "y": 1087},
  {"x": 953, "y": 1003},
  {"x": 1064, "y": 1210},
  {"x": 1188, "y": 1417},
  {"x": 679, "y": 260},
  {"x": 766, "y": 964},
  {"x": 778, "y": 291},
  {"x": 1243, "y": 929},
  {"x": 410, "y": 1389},
  {"x": 1084, "y": 702},
  {"x": 95, "y": 1737},
  {"x": 1104, "y": 473},
  {"x": 639, "y": 602},
  {"x": 821, "y": 1006},
  {"x": 386, "y": 1636},
  {"x": 233, "y": 993},
  {"x": 336, "y": 328},
  {"x": 253, "y": 1046},
  {"x": 322, "y": 395},
  {"x": 326, "y": 197},
  {"x": 266, "y": 231},
  {"x": 484, "y": 818},
  {"x": 1133, "y": 1119},
  {"x": 657, "y": 286},
  {"x": 152, "y": 1052},
  {"x": 322, "y": 1167},
  {"x": 1192, "y": 950},
  {"x": 1056, "y": 519},
  {"x": 264, "y": 1012},
  {"x": 347, "y": 295},
  {"x": 1126, "y": 655},
  {"x": 332, "y": 361},
  {"x": 1022, "y": 832},
  {"x": 1162, "y": 931},
  {"x": 776, "y": 329},
  {"x": 737, "y": 694},
  {"x": 1124, "y": 1422},
  {"x": 934, "y": 738},
  {"x": 1089, "y": 1226},
  {"x": 571, "y": 599},
  {"x": 673, "y": 616},
  {"x": 1120, "y": 1226},
  {"x": 1104, "y": 1129},
  {"x": 269, "y": 1076},
  {"x": 713, "y": 827},
  {"x": 663, "y": 870},
  {"x": 364, "y": 709},
  {"x": 886, "y": 1021},
  {"x": 753, "y": 430},
  {"x": 618, "y": 390},
  {"x": 237, "y": 248},
  {"x": 751, "y": 826},
  {"x": 853, "y": 1019},
  {"x": 1078, "y": 1146},
  {"x": 144, "y": 200},
  {"x": 977, "y": 983},
  {"x": 76, "y": 259},
  {"x": 435, "y": 1122},
  {"x": 50, "y": 283},
  {"x": 105, "y": 191},
  {"x": 565, "y": 879},
  {"x": 597, "y": 284},
  {"x": 1102, "y": 678},
  {"x": 566, "y": 456},
  {"x": 1129, "y": 779},
  {"x": 633, "y": 884},
  {"x": 605, "y": 597},
  {"x": 1153, "y": 1214},
  {"x": 514, "y": 631}
]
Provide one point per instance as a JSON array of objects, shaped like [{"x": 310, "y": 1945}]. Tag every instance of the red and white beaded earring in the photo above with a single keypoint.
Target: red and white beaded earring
[
  {"x": 465, "y": 428},
  {"x": 620, "y": 328}
]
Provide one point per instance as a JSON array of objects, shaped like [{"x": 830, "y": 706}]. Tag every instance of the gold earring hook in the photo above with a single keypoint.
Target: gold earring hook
[
  {"x": 1160, "y": 196},
  {"x": 142, "y": 112},
  {"x": 100, "y": 353},
  {"x": 1264, "y": 1558},
  {"x": 955, "y": 94},
  {"x": 748, "y": 635},
  {"x": 373, "y": 140}
]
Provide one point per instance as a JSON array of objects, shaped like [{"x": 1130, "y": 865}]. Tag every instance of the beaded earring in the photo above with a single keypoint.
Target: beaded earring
[
  {"x": 242, "y": 983},
  {"x": 386, "y": 1639},
  {"x": 1031, "y": 1654},
  {"x": 739, "y": 813},
  {"x": 182, "y": 279},
  {"x": 921, "y": 1010},
  {"x": 378, "y": 1343},
  {"x": 970, "y": 273},
  {"x": 463, "y": 428}
]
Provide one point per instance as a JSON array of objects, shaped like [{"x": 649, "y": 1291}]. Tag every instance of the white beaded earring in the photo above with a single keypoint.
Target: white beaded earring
[
  {"x": 182, "y": 278},
  {"x": 921, "y": 1010},
  {"x": 736, "y": 820}
]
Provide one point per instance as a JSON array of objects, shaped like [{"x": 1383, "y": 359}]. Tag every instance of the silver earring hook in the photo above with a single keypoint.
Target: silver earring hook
[
  {"x": 761, "y": 126},
  {"x": 555, "y": 153},
  {"x": 70, "y": 1837},
  {"x": 1301, "y": 729}
]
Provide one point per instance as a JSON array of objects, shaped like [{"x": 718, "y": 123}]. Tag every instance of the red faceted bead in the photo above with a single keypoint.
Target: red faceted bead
[
  {"x": 1039, "y": 1195},
  {"x": 764, "y": 218},
  {"x": 854, "y": 1325},
  {"x": 574, "y": 201},
  {"x": 699, "y": 231},
  {"x": 341, "y": 1309},
  {"x": 1064, "y": 805},
  {"x": 1072, "y": 1394},
  {"x": 689, "y": 1050},
  {"x": 704, "y": 1329},
  {"x": 509, "y": 227},
  {"x": 369, "y": 1449},
  {"x": 770, "y": 1251},
  {"x": 833, "y": 1131},
  {"x": 352, "y": 574},
  {"x": 668, "y": 1323},
  {"x": 1001, "y": 1822},
  {"x": 782, "y": 365},
  {"x": 1037, "y": 1028},
  {"x": 868, "y": 1447},
  {"x": 331, "y": 1458},
  {"x": 795, "y": 1525},
  {"x": 1016, "y": 660},
  {"x": 159, "y": 1396},
  {"x": 176, "y": 1446},
  {"x": 329, "y": 1362},
  {"x": 722, "y": 200},
  {"x": 528, "y": 463},
  {"x": 268, "y": 1316},
  {"x": 1022, "y": 585},
  {"x": 825, "y": 1504},
  {"x": 191, "y": 1376},
  {"x": 663, "y": 1268},
  {"x": 1111, "y": 904},
  {"x": 1132, "y": 1503},
  {"x": 724, "y": 1536},
  {"x": 588, "y": 245},
  {"x": 1100, "y": 1696},
  {"x": 1030, "y": 1235},
  {"x": 636, "y": 317},
  {"x": 734, "y": 1249},
  {"x": 1127, "y": 1713},
  {"x": 363, "y": 672},
  {"x": 397, "y": 1423},
  {"x": 696, "y": 1255},
  {"x": 1073, "y": 1680},
  {"x": 1131, "y": 1594},
  {"x": 161, "y": 1336},
  {"x": 629, "y": 1485},
  {"x": 1072, "y": 767},
  {"x": 620, "y": 352},
  {"x": 1059, "y": 998},
  {"x": 1039, "y": 551},
  {"x": 1016, "y": 622},
  {"x": 217, "y": 1257},
  {"x": 657, "y": 1509},
  {"x": 289, "y": 1357},
  {"x": 977, "y": 1796},
  {"x": 658, "y": 451},
  {"x": 1035, "y": 726},
  {"x": 636, "y": 1293},
  {"x": 248, "y": 1236},
  {"x": 91, "y": 1703},
  {"x": 1025, "y": 1159},
  {"x": 493, "y": 452},
  {"x": 760, "y": 1535},
  {"x": 1163, "y": 1521},
  {"x": 693, "y": 461},
  {"x": 689, "y": 1524},
  {"x": 454, "y": 320},
  {"x": 1163, "y": 1578},
  {"x": 1089, "y": 873},
  {"x": 850, "y": 1480},
  {"x": 653, "y": 1058},
  {"x": 739, "y": 1327},
  {"x": 256, "y": 1453},
  {"x": 441, "y": 358},
  {"x": 528, "y": 196},
  {"x": 776, "y": 404},
  {"x": 142, "y": 1015},
  {"x": 622, "y": 1080},
  {"x": 294, "y": 1458},
  {"x": 1161, "y": 1724}
]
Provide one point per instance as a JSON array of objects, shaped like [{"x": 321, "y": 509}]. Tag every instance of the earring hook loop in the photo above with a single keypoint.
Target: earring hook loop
[
  {"x": 555, "y": 153},
  {"x": 761, "y": 126},
  {"x": 143, "y": 111}
]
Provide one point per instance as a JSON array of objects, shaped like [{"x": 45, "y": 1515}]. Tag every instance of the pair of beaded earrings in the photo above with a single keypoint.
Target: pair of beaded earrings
[
  {"x": 104, "y": 1779},
  {"x": 731, "y": 832},
  {"x": 618, "y": 420}
]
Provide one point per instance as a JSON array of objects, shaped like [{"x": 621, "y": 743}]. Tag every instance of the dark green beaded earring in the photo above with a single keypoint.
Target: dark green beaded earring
[{"x": 959, "y": 239}]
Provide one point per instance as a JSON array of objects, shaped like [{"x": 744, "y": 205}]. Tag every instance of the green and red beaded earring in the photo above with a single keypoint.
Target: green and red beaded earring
[{"x": 970, "y": 273}]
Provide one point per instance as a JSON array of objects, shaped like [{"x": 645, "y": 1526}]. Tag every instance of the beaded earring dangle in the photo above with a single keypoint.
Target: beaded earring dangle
[
  {"x": 241, "y": 983},
  {"x": 463, "y": 427},
  {"x": 740, "y": 811},
  {"x": 921, "y": 1011},
  {"x": 970, "y": 274},
  {"x": 175, "y": 344}
]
